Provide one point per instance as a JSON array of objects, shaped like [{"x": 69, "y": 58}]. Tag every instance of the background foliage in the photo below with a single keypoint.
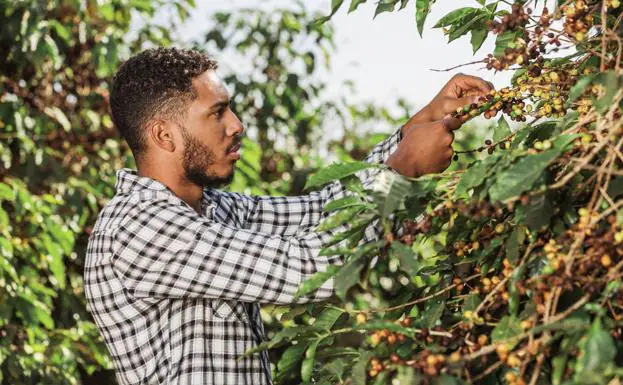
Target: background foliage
[{"x": 59, "y": 150}]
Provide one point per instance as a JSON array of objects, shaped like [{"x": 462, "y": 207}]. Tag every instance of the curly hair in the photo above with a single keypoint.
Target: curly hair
[{"x": 155, "y": 83}]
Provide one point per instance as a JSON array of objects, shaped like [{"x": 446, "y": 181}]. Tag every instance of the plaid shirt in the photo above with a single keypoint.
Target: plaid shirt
[{"x": 176, "y": 294}]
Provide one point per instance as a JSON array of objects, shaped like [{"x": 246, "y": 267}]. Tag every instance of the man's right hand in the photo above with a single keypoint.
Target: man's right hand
[{"x": 425, "y": 148}]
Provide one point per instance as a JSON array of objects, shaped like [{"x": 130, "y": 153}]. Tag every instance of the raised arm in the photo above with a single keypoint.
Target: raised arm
[
  {"x": 290, "y": 215},
  {"x": 164, "y": 249}
]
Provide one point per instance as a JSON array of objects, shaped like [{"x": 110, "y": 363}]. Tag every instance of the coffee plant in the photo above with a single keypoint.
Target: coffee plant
[{"x": 507, "y": 271}]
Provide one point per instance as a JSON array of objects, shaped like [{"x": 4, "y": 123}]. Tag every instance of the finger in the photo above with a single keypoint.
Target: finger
[
  {"x": 451, "y": 123},
  {"x": 451, "y": 104},
  {"x": 469, "y": 82},
  {"x": 448, "y": 138}
]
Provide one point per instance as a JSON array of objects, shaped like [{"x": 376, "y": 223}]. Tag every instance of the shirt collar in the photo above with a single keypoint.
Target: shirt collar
[{"x": 128, "y": 180}]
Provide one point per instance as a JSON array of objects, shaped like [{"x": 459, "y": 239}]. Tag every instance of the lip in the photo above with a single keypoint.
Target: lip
[{"x": 235, "y": 152}]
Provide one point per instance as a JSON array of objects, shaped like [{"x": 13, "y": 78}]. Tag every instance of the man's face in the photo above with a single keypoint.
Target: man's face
[{"x": 211, "y": 133}]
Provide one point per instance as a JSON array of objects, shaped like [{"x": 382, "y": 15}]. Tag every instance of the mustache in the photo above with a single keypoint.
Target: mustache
[{"x": 237, "y": 141}]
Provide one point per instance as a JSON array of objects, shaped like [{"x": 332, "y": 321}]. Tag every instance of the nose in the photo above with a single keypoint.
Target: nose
[{"x": 235, "y": 127}]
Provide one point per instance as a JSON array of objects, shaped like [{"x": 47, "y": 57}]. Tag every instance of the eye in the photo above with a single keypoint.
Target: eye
[{"x": 219, "y": 113}]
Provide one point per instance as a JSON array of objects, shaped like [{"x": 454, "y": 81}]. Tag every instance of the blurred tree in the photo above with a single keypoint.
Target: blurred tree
[{"x": 58, "y": 155}]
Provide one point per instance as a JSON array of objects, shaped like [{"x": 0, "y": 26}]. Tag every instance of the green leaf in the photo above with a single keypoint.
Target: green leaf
[
  {"x": 466, "y": 24},
  {"x": 283, "y": 335},
  {"x": 597, "y": 352},
  {"x": 471, "y": 302},
  {"x": 348, "y": 275},
  {"x": 290, "y": 358},
  {"x": 6, "y": 193},
  {"x": 360, "y": 368},
  {"x": 384, "y": 6},
  {"x": 42, "y": 313},
  {"x": 408, "y": 259},
  {"x": 328, "y": 317},
  {"x": 539, "y": 212},
  {"x": 479, "y": 35},
  {"x": 432, "y": 313},
  {"x": 347, "y": 201},
  {"x": 521, "y": 176},
  {"x": 502, "y": 130},
  {"x": 612, "y": 84},
  {"x": 476, "y": 174},
  {"x": 390, "y": 190},
  {"x": 455, "y": 16},
  {"x": 316, "y": 280},
  {"x": 335, "y": 5},
  {"x": 63, "y": 236},
  {"x": 446, "y": 379},
  {"x": 559, "y": 366},
  {"x": 422, "y": 9},
  {"x": 307, "y": 367},
  {"x": 508, "y": 327},
  {"x": 407, "y": 375},
  {"x": 55, "y": 260},
  {"x": 354, "y": 4},
  {"x": 514, "y": 242},
  {"x": 336, "y": 172},
  {"x": 340, "y": 218},
  {"x": 513, "y": 291},
  {"x": 580, "y": 86}
]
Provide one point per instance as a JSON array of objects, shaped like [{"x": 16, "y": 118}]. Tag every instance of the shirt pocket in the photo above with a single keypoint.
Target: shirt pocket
[{"x": 229, "y": 310}]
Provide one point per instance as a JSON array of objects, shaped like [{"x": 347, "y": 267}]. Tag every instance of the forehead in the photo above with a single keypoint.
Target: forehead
[{"x": 209, "y": 87}]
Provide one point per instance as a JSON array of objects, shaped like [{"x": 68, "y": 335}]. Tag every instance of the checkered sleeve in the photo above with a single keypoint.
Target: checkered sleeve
[
  {"x": 164, "y": 249},
  {"x": 293, "y": 214}
]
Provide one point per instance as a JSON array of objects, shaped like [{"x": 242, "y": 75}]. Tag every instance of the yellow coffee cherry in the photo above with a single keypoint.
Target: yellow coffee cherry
[
  {"x": 526, "y": 324},
  {"x": 605, "y": 260},
  {"x": 361, "y": 318},
  {"x": 513, "y": 361},
  {"x": 510, "y": 377},
  {"x": 483, "y": 339},
  {"x": 455, "y": 357}
]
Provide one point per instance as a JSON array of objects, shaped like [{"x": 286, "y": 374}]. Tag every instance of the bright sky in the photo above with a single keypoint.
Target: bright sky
[{"x": 385, "y": 57}]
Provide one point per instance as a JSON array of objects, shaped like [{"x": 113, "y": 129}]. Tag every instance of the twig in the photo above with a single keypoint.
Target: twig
[
  {"x": 458, "y": 66},
  {"x": 423, "y": 299}
]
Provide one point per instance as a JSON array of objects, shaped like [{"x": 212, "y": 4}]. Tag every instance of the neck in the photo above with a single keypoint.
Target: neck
[{"x": 183, "y": 188}]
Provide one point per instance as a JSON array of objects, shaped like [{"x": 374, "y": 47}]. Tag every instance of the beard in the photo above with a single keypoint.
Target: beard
[{"x": 198, "y": 158}]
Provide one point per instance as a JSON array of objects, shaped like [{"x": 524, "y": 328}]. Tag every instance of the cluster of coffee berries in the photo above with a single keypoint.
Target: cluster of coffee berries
[
  {"x": 516, "y": 55},
  {"x": 376, "y": 366},
  {"x": 517, "y": 19},
  {"x": 462, "y": 248},
  {"x": 578, "y": 19},
  {"x": 429, "y": 363},
  {"x": 391, "y": 338},
  {"x": 508, "y": 100}
]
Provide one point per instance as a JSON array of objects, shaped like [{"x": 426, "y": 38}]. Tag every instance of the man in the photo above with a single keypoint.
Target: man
[{"x": 176, "y": 269}]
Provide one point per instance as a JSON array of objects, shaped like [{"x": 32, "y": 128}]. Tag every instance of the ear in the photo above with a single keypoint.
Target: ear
[{"x": 161, "y": 134}]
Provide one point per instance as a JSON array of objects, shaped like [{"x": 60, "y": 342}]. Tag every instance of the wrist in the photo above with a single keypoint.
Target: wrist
[
  {"x": 425, "y": 115},
  {"x": 397, "y": 163}
]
